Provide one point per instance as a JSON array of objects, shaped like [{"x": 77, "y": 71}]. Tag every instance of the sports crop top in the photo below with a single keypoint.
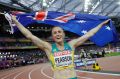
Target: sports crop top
[{"x": 62, "y": 59}]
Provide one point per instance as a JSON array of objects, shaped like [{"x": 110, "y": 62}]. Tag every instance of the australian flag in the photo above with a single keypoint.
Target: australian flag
[{"x": 76, "y": 23}]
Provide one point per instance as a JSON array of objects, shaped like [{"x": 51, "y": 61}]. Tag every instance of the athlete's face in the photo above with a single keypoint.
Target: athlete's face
[{"x": 58, "y": 34}]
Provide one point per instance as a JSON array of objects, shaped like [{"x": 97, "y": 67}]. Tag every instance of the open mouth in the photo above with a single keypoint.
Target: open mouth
[{"x": 58, "y": 37}]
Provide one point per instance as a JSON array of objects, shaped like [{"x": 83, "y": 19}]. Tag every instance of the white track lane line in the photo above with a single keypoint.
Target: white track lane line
[
  {"x": 44, "y": 73},
  {"x": 53, "y": 78},
  {"x": 112, "y": 74},
  {"x": 13, "y": 72},
  {"x": 29, "y": 75},
  {"x": 9, "y": 75},
  {"x": 84, "y": 77},
  {"x": 20, "y": 73}
]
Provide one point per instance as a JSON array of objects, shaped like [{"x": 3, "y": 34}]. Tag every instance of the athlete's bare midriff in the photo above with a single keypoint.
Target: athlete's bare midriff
[{"x": 65, "y": 74}]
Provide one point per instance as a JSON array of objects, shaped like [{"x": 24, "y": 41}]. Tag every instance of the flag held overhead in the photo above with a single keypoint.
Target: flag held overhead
[{"x": 76, "y": 23}]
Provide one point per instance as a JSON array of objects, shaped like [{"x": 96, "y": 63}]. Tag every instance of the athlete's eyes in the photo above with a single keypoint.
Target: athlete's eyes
[
  {"x": 54, "y": 32},
  {"x": 59, "y": 31}
]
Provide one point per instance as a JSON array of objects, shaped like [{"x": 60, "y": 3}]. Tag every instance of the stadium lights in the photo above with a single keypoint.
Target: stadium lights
[
  {"x": 94, "y": 7},
  {"x": 1, "y": 56},
  {"x": 44, "y": 3},
  {"x": 8, "y": 52},
  {"x": 47, "y": 3},
  {"x": 10, "y": 55},
  {"x": 118, "y": 2},
  {"x": 86, "y": 4},
  {"x": 4, "y": 56},
  {"x": 13, "y": 55}
]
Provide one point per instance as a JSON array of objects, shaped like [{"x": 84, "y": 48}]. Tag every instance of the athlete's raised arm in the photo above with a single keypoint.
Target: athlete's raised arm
[
  {"x": 77, "y": 42},
  {"x": 37, "y": 41}
]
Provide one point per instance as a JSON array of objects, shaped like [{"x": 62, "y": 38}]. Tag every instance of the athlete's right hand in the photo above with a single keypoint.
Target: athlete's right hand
[{"x": 13, "y": 17}]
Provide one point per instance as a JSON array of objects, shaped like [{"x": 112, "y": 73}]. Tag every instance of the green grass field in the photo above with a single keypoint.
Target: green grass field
[{"x": 113, "y": 54}]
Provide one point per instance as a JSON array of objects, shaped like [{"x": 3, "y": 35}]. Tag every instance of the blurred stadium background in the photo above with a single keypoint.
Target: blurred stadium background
[{"x": 16, "y": 50}]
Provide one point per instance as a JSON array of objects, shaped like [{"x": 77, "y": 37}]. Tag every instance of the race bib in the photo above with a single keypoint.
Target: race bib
[{"x": 63, "y": 58}]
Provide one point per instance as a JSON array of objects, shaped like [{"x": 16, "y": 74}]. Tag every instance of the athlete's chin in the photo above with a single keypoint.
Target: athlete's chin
[{"x": 59, "y": 41}]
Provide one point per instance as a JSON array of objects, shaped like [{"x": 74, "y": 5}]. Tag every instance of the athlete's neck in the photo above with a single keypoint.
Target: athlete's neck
[{"x": 60, "y": 45}]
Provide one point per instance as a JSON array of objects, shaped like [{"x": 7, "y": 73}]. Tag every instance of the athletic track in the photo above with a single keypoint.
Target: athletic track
[{"x": 43, "y": 71}]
